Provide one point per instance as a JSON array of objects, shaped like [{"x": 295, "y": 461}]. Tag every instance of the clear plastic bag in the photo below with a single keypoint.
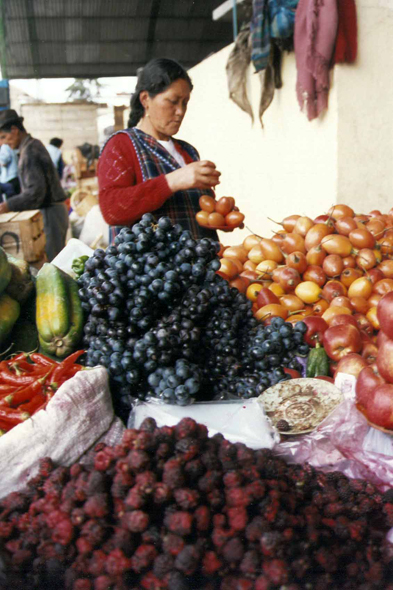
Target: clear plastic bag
[
  {"x": 345, "y": 442},
  {"x": 239, "y": 421}
]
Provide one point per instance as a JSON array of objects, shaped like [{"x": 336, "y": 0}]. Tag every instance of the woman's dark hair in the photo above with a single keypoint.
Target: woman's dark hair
[
  {"x": 18, "y": 124},
  {"x": 56, "y": 141},
  {"x": 157, "y": 75}
]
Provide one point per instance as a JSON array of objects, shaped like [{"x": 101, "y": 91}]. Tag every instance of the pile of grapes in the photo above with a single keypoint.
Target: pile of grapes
[{"x": 167, "y": 326}]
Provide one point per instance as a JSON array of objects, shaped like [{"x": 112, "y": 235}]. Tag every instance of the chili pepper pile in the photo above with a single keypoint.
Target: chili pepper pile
[{"x": 28, "y": 381}]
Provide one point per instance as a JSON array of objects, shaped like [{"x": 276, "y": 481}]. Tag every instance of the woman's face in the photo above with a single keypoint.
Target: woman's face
[{"x": 166, "y": 110}]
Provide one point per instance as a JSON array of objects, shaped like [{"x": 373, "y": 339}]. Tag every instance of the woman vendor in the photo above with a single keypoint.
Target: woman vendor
[{"x": 143, "y": 168}]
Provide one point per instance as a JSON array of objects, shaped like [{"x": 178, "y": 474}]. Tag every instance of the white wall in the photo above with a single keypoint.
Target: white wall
[
  {"x": 287, "y": 167},
  {"x": 74, "y": 123},
  {"x": 365, "y": 146},
  {"x": 293, "y": 165}
]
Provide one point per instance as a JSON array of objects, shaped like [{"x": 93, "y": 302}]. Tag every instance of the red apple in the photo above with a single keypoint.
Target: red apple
[
  {"x": 385, "y": 360},
  {"x": 381, "y": 338},
  {"x": 369, "y": 352},
  {"x": 316, "y": 327},
  {"x": 369, "y": 379},
  {"x": 339, "y": 341},
  {"x": 385, "y": 314},
  {"x": 351, "y": 364},
  {"x": 380, "y": 406},
  {"x": 333, "y": 369},
  {"x": 343, "y": 318}
]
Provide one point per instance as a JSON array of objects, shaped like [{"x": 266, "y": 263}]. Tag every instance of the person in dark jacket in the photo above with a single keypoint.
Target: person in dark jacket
[
  {"x": 56, "y": 155},
  {"x": 40, "y": 184}
]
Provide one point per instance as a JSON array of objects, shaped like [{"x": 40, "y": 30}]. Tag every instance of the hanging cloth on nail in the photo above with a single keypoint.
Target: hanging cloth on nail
[
  {"x": 271, "y": 19},
  {"x": 271, "y": 29},
  {"x": 346, "y": 42},
  {"x": 315, "y": 38}
]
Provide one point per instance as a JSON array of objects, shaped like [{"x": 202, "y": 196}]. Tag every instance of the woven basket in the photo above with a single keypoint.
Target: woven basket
[{"x": 82, "y": 201}]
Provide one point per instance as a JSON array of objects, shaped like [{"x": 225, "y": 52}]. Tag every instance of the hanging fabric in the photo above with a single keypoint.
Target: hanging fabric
[
  {"x": 236, "y": 68},
  {"x": 315, "y": 37},
  {"x": 346, "y": 43}
]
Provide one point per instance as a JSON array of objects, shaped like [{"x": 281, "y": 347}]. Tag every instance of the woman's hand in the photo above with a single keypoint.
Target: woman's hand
[{"x": 202, "y": 175}]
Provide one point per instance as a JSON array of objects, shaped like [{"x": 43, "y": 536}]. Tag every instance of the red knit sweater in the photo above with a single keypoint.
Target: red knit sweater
[{"x": 123, "y": 196}]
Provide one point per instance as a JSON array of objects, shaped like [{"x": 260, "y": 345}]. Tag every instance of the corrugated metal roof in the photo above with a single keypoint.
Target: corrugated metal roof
[{"x": 92, "y": 38}]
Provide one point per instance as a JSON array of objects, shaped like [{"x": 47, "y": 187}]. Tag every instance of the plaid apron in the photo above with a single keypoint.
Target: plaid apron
[{"x": 155, "y": 160}]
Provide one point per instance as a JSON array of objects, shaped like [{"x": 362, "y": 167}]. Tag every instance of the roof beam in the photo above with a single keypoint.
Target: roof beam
[
  {"x": 151, "y": 33},
  {"x": 33, "y": 39}
]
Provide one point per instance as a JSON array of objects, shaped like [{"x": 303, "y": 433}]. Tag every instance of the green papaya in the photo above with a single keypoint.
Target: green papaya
[{"x": 59, "y": 314}]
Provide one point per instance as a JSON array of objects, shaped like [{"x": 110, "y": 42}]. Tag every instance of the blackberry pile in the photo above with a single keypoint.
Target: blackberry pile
[
  {"x": 153, "y": 301},
  {"x": 171, "y": 509}
]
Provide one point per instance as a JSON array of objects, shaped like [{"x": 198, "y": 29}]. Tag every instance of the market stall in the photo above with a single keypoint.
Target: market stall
[{"x": 254, "y": 382}]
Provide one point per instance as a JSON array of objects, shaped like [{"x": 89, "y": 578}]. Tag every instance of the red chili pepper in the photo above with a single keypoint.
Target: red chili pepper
[
  {"x": 23, "y": 365},
  {"x": 41, "y": 359},
  {"x": 70, "y": 360},
  {"x": 25, "y": 394},
  {"x": 15, "y": 416},
  {"x": 60, "y": 374},
  {"x": 13, "y": 379},
  {"x": 71, "y": 372},
  {"x": 34, "y": 405},
  {"x": 20, "y": 357},
  {"x": 6, "y": 388}
]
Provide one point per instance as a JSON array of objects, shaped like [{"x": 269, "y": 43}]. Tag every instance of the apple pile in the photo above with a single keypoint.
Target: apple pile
[
  {"x": 222, "y": 214},
  {"x": 374, "y": 387}
]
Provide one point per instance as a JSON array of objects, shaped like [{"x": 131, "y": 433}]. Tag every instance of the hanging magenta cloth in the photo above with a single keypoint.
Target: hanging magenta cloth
[
  {"x": 347, "y": 42},
  {"x": 315, "y": 36}
]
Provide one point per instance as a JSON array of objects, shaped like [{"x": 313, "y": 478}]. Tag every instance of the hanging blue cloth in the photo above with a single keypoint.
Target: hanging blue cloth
[{"x": 271, "y": 19}]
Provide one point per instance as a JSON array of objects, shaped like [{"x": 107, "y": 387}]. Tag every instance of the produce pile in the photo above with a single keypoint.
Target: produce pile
[
  {"x": 334, "y": 273},
  {"x": 337, "y": 263},
  {"x": 222, "y": 214},
  {"x": 28, "y": 382},
  {"x": 169, "y": 508},
  {"x": 167, "y": 326},
  {"x": 16, "y": 286}
]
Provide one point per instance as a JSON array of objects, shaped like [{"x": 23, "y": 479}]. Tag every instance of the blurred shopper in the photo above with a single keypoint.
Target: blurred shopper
[
  {"x": 143, "y": 168},
  {"x": 40, "y": 184},
  {"x": 9, "y": 181},
  {"x": 56, "y": 155}
]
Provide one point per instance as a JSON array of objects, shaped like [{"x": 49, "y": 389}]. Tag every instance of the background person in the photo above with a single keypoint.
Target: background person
[
  {"x": 40, "y": 184},
  {"x": 143, "y": 168},
  {"x": 56, "y": 155},
  {"x": 9, "y": 181}
]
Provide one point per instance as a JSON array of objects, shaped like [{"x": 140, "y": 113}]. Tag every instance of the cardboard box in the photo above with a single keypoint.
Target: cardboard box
[{"x": 22, "y": 234}]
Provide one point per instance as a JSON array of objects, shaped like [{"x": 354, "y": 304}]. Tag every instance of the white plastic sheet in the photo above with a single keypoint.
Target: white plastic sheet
[
  {"x": 78, "y": 417},
  {"x": 243, "y": 421},
  {"x": 73, "y": 249}
]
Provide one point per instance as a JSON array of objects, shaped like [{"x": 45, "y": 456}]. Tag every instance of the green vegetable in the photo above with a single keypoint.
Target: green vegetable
[
  {"x": 59, "y": 315},
  {"x": 78, "y": 265},
  {"x": 317, "y": 362}
]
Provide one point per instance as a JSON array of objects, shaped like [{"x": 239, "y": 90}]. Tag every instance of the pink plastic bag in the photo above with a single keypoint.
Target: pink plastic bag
[{"x": 342, "y": 443}]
